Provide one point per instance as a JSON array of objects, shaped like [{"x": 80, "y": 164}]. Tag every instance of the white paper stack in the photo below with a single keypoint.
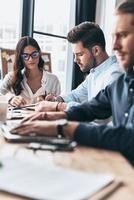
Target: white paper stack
[{"x": 53, "y": 183}]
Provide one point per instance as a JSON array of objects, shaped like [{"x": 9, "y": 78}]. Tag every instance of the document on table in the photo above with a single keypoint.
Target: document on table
[{"x": 56, "y": 183}]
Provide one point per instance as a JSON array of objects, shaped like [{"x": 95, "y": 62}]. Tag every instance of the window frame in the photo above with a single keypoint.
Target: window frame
[{"x": 28, "y": 29}]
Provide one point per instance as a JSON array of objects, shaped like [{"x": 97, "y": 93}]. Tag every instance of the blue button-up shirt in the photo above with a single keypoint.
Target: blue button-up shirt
[
  {"x": 98, "y": 79},
  {"x": 117, "y": 100}
]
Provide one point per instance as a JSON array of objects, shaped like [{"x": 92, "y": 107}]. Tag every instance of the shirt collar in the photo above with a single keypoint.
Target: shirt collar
[
  {"x": 129, "y": 74},
  {"x": 104, "y": 65},
  {"x": 129, "y": 77},
  {"x": 44, "y": 78}
]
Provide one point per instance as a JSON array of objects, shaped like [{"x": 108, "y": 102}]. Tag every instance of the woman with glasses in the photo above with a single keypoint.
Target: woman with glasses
[{"x": 28, "y": 82}]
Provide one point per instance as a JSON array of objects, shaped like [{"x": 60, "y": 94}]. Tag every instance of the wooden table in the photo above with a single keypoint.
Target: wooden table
[{"x": 82, "y": 158}]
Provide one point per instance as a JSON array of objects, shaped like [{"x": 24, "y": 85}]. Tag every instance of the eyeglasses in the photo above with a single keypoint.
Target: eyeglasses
[{"x": 33, "y": 55}]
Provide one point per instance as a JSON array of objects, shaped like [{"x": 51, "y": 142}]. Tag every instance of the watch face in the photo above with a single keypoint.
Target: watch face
[{"x": 62, "y": 122}]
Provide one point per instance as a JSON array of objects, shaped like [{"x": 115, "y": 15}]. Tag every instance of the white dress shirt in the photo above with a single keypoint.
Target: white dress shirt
[{"x": 49, "y": 84}]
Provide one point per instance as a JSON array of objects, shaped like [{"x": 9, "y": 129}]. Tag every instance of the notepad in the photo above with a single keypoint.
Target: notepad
[{"x": 56, "y": 183}]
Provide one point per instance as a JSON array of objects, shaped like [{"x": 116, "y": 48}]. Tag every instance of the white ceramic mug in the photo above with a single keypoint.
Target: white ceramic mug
[{"x": 3, "y": 108}]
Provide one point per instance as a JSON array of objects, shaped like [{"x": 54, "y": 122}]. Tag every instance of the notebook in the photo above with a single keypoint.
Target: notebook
[
  {"x": 40, "y": 182},
  {"x": 5, "y": 131}
]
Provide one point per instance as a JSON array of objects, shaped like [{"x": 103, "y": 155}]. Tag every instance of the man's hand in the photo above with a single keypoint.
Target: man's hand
[
  {"x": 50, "y": 97},
  {"x": 48, "y": 128},
  {"x": 46, "y": 106},
  {"x": 38, "y": 116},
  {"x": 45, "y": 116}
]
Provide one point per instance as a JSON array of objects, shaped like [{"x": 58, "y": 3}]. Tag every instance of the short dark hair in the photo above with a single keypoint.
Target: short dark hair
[
  {"x": 89, "y": 33},
  {"x": 126, "y": 7}
]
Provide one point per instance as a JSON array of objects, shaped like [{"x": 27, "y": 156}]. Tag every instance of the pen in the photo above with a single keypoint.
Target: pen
[
  {"x": 107, "y": 191},
  {"x": 44, "y": 96},
  {"x": 17, "y": 111},
  {"x": 25, "y": 106}
]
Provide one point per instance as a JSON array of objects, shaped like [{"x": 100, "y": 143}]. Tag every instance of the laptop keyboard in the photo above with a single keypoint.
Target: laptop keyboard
[{"x": 11, "y": 125}]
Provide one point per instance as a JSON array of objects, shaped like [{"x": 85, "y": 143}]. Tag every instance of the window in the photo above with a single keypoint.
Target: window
[
  {"x": 104, "y": 12},
  {"x": 51, "y": 24},
  {"x": 10, "y": 31},
  {"x": 10, "y": 18}
]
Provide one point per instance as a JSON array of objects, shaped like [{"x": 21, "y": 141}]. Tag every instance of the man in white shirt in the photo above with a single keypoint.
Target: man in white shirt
[{"x": 88, "y": 46}]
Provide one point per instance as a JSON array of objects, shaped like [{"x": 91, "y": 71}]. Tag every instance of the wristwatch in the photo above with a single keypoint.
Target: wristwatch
[
  {"x": 59, "y": 99},
  {"x": 60, "y": 124}
]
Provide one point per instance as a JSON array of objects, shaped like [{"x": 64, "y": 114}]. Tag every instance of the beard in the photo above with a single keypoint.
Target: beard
[{"x": 88, "y": 67}]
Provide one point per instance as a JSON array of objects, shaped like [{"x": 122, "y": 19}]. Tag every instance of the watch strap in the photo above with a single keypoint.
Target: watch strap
[
  {"x": 60, "y": 131},
  {"x": 60, "y": 127}
]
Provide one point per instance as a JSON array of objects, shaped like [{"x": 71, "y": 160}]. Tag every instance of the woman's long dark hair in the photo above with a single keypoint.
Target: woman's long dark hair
[{"x": 19, "y": 64}]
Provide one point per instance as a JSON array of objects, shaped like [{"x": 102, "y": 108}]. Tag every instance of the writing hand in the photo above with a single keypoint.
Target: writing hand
[
  {"x": 46, "y": 106},
  {"x": 17, "y": 101},
  {"x": 50, "y": 97}
]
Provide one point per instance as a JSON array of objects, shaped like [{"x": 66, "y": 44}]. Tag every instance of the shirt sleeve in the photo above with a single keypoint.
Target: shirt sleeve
[
  {"x": 78, "y": 95},
  {"x": 93, "y": 109},
  {"x": 113, "y": 73},
  {"x": 119, "y": 138},
  {"x": 57, "y": 87},
  {"x": 6, "y": 85},
  {"x": 51, "y": 83}
]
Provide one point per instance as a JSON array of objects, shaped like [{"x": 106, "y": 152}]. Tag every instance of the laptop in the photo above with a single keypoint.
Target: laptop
[{"x": 14, "y": 138}]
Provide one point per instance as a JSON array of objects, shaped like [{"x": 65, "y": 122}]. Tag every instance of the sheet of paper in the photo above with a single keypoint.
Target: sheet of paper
[{"x": 43, "y": 182}]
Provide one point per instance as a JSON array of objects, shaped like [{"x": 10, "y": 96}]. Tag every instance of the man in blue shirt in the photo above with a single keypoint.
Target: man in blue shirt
[
  {"x": 88, "y": 46},
  {"x": 116, "y": 99}
]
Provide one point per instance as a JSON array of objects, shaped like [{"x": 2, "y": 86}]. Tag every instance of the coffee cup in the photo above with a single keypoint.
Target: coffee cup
[{"x": 3, "y": 109}]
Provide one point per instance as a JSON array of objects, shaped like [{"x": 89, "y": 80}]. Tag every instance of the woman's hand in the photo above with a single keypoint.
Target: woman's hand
[
  {"x": 17, "y": 101},
  {"x": 50, "y": 97}
]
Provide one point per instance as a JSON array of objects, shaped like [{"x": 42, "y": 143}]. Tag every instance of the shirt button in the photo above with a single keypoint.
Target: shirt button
[
  {"x": 126, "y": 114},
  {"x": 131, "y": 90},
  {"x": 93, "y": 70}
]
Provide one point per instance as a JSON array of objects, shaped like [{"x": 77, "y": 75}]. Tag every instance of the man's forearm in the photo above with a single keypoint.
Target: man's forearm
[
  {"x": 70, "y": 128},
  {"x": 55, "y": 115},
  {"x": 114, "y": 138},
  {"x": 61, "y": 106}
]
